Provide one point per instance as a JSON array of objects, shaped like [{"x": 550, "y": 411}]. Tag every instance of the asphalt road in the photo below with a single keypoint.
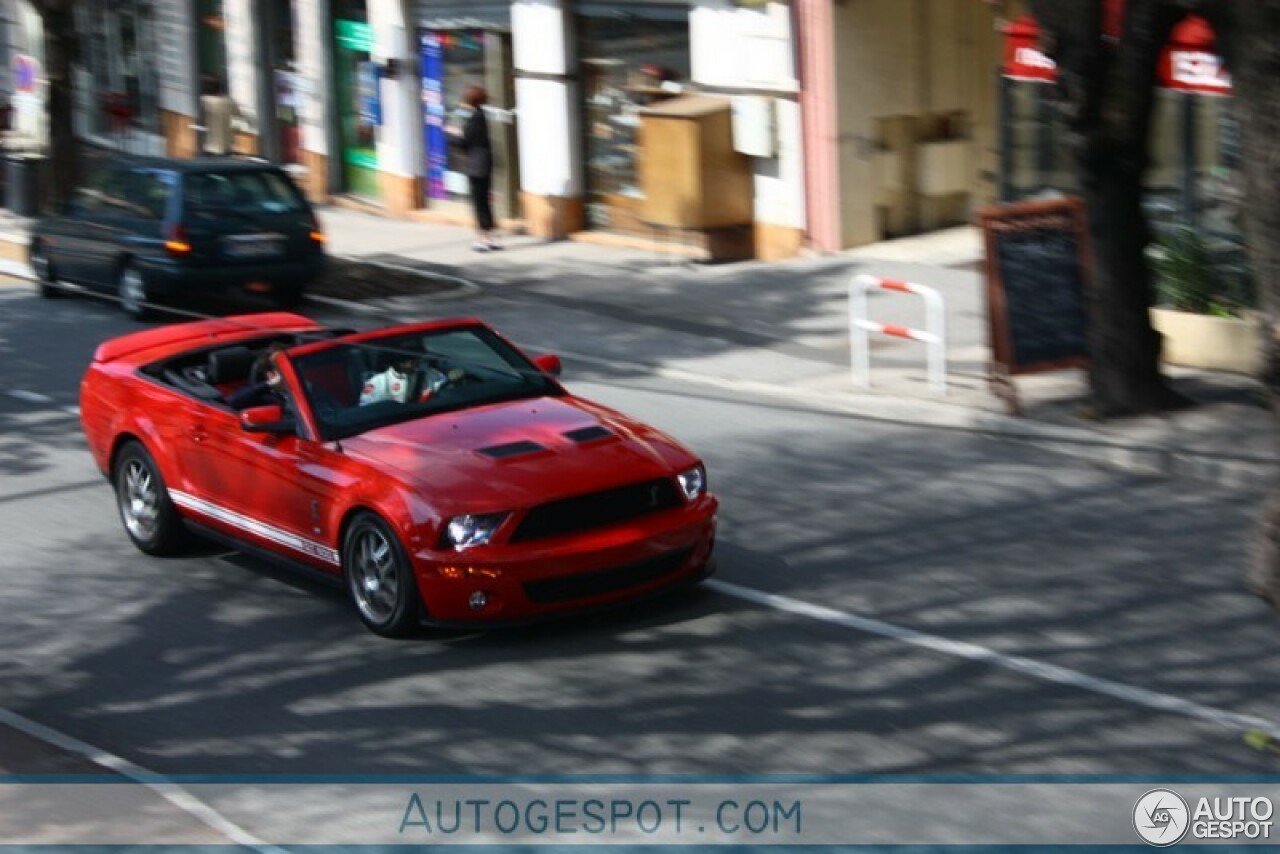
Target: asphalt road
[{"x": 890, "y": 600}]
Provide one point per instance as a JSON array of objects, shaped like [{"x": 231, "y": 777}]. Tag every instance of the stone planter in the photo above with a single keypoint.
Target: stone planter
[{"x": 1205, "y": 341}]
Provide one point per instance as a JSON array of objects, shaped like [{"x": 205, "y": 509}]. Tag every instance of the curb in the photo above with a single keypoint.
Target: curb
[
  {"x": 1147, "y": 460},
  {"x": 467, "y": 287}
]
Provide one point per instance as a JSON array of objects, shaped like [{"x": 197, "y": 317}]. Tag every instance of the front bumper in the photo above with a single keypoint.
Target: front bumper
[{"x": 584, "y": 572}]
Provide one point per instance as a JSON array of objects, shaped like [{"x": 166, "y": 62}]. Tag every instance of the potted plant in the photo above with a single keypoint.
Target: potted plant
[{"x": 1205, "y": 303}]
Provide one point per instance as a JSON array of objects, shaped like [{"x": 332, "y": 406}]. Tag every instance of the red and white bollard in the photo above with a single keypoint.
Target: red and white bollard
[{"x": 860, "y": 329}]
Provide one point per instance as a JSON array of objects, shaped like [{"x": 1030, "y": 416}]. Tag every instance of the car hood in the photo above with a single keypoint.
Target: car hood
[{"x": 518, "y": 454}]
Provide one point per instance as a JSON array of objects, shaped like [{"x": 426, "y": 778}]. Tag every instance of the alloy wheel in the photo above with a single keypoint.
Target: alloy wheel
[
  {"x": 375, "y": 576},
  {"x": 133, "y": 293},
  {"x": 40, "y": 265},
  {"x": 139, "y": 500}
]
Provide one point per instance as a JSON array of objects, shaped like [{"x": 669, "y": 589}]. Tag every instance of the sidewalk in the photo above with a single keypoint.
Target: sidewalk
[{"x": 783, "y": 328}]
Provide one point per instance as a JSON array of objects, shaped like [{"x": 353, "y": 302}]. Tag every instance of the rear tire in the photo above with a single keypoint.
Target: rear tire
[
  {"x": 380, "y": 578},
  {"x": 42, "y": 267},
  {"x": 131, "y": 289},
  {"x": 148, "y": 514}
]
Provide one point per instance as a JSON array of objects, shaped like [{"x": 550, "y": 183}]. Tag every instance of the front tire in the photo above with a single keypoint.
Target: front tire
[
  {"x": 149, "y": 517},
  {"x": 380, "y": 578},
  {"x": 42, "y": 267},
  {"x": 131, "y": 289}
]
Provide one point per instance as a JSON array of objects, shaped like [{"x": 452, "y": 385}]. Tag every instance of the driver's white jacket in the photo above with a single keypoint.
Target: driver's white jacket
[
  {"x": 388, "y": 385},
  {"x": 393, "y": 385}
]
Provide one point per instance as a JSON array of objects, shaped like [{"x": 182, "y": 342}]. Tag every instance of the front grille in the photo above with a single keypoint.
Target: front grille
[
  {"x": 597, "y": 510},
  {"x": 587, "y": 585}
]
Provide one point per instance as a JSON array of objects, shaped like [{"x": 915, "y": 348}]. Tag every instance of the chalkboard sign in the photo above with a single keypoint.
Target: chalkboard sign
[{"x": 1037, "y": 289}]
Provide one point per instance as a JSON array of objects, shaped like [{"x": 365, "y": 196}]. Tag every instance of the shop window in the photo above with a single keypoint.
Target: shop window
[
  {"x": 631, "y": 57},
  {"x": 462, "y": 57}
]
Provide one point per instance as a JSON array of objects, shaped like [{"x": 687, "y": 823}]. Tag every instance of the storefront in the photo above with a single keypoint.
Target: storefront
[
  {"x": 358, "y": 98},
  {"x": 632, "y": 55},
  {"x": 458, "y": 47},
  {"x": 118, "y": 55},
  {"x": 211, "y": 42},
  {"x": 286, "y": 87},
  {"x": 1193, "y": 177},
  {"x": 25, "y": 111},
  {"x": 1194, "y": 137}
]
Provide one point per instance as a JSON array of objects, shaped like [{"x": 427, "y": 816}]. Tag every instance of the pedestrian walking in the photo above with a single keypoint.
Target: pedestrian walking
[
  {"x": 221, "y": 119},
  {"x": 471, "y": 135}
]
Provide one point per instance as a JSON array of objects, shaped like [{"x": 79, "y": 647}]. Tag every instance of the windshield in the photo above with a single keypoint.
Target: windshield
[
  {"x": 354, "y": 388},
  {"x": 263, "y": 191}
]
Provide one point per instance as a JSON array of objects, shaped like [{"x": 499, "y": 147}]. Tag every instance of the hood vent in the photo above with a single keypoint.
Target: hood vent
[
  {"x": 511, "y": 449},
  {"x": 589, "y": 434}
]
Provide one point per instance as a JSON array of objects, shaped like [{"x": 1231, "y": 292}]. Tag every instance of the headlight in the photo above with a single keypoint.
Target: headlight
[
  {"x": 693, "y": 483},
  {"x": 463, "y": 532}
]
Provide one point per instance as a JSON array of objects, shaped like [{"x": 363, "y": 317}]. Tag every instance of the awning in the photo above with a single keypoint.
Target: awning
[{"x": 1189, "y": 62}]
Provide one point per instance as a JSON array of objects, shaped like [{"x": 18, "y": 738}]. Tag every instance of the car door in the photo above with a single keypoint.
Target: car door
[
  {"x": 271, "y": 490},
  {"x": 101, "y": 227},
  {"x": 66, "y": 235}
]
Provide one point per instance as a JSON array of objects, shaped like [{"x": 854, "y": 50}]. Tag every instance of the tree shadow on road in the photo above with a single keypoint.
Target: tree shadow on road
[{"x": 231, "y": 669}]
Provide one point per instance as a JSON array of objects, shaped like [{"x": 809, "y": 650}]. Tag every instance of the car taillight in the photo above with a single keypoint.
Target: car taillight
[
  {"x": 317, "y": 233},
  {"x": 176, "y": 240}
]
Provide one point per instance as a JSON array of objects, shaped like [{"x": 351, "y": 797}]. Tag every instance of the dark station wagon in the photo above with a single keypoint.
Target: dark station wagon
[{"x": 148, "y": 228}]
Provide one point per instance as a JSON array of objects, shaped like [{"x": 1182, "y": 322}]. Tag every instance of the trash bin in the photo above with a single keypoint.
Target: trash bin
[{"x": 22, "y": 183}]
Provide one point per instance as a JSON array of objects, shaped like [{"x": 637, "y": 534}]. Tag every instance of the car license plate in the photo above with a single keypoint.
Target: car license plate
[{"x": 252, "y": 245}]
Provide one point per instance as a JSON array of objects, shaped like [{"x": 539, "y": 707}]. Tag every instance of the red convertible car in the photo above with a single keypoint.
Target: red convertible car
[{"x": 444, "y": 476}]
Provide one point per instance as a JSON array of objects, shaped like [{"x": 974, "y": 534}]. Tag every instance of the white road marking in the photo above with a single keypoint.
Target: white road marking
[
  {"x": 1026, "y": 666},
  {"x": 35, "y": 397},
  {"x": 170, "y": 791},
  {"x": 29, "y": 396}
]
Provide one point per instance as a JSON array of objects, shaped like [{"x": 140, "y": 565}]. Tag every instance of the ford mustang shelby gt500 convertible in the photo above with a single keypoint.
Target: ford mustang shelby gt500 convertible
[{"x": 443, "y": 475}]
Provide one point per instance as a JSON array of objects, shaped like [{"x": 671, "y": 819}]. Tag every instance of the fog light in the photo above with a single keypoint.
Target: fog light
[{"x": 478, "y": 600}]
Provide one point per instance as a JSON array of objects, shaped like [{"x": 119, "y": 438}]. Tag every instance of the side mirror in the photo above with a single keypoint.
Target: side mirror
[
  {"x": 267, "y": 419},
  {"x": 549, "y": 363}
]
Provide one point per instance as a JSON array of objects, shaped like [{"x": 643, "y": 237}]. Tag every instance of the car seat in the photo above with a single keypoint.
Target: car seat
[{"x": 230, "y": 367}]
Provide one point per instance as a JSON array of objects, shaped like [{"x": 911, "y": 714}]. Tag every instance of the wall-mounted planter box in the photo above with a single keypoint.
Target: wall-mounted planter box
[{"x": 1205, "y": 341}]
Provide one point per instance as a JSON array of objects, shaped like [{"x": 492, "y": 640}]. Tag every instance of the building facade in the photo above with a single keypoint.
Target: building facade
[{"x": 850, "y": 122}]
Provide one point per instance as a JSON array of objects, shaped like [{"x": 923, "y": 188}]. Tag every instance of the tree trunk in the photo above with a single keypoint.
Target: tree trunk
[{"x": 1108, "y": 93}]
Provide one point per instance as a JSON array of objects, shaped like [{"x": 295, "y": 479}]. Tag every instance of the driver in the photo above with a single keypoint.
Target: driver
[
  {"x": 267, "y": 387},
  {"x": 400, "y": 383}
]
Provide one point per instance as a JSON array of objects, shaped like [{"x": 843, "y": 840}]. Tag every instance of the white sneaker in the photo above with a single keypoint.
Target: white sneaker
[{"x": 481, "y": 247}]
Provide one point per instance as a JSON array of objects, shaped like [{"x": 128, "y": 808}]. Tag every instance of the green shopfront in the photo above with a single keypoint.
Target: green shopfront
[{"x": 358, "y": 104}]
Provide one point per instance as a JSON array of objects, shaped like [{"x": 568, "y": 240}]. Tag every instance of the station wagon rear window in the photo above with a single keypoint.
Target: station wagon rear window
[{"x": 236, "y": 190}]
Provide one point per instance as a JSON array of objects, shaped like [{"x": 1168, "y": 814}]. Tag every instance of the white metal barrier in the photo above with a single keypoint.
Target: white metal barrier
[{"x": 861, "y": 327}]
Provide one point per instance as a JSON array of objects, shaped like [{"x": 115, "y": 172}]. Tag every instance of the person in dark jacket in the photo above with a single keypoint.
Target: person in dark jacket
[{"x": 472, "y": 138}]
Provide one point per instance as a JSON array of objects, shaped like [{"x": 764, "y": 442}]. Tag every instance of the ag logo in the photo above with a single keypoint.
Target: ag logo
[{"x": 1161, "y": 817}]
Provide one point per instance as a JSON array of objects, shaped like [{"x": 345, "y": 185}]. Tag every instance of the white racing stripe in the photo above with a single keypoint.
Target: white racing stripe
[
  {"x": 1026, "y": 666},
  {"x": 170, "y": 791},
  {"x": 253, "y": 526}
]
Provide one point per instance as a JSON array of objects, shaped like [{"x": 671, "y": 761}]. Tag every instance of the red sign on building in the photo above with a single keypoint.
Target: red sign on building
[{"x": 1188, "y": 64}]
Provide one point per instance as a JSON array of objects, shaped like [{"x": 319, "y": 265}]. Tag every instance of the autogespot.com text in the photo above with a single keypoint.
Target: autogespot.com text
[{"x": 435, "y": 817}]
